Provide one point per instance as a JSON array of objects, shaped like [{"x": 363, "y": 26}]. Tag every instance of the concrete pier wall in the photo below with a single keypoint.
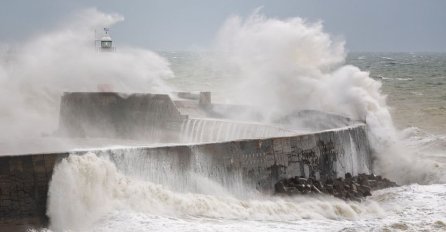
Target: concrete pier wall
[
  {"x": 119, "y": 115},
  {"x": 23, "y": 189},
  {"x": 24, "y": 179}
]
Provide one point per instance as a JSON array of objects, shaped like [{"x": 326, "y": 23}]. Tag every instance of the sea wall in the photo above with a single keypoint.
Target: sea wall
[
  {"x": 24, "y": 179},
  {"x": 199, "y": 130},
  {"x": 119, "y": 115},
  {"x": 23, "y": 189},
  {"x": 152, "y": 118}
]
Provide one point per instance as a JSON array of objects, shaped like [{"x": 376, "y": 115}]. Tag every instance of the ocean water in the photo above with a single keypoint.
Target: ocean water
[
  {"x": 278, "y": 66},
  {"x": 102, "y": 197},
  {"x": 415, "y": 85}
]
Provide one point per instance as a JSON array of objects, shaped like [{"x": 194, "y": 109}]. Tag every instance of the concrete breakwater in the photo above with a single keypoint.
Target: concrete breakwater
[
  {"x": 187, "y": 134},
  {"x": 260, "y": 163},
  {"x": 155, "y": 118}
]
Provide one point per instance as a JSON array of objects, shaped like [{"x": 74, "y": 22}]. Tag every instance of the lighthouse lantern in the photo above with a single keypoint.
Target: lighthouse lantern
[{"x": 106, "y": 42}]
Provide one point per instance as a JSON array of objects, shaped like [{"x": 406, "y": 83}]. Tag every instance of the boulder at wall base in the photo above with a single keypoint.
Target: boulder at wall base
[{"x": 348, "y": 188}]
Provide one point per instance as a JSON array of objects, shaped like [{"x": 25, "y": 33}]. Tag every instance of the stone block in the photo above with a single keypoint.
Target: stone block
[
  {"x": 39, "y": 164},
  {"x": 4, "y": 165},
  {"x": 15, "y": 165}
]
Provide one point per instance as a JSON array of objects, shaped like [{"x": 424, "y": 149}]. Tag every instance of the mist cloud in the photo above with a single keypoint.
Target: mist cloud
[{"x": 33, "y": 75}]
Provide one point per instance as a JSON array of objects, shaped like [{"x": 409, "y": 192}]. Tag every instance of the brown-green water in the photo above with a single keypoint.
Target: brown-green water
[{"x": 415, "y": 83}]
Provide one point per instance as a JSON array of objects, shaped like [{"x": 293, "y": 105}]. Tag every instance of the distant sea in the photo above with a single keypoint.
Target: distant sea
[
  {"x": 415, "y": 87},
  {"x": 415, "y": 83}
]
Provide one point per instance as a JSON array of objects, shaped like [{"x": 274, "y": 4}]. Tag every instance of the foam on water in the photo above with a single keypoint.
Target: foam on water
[
  {"x": 102, "y": 197},
  {"x": 96, "y": 191},
  {"x": 281, "y": 65}
]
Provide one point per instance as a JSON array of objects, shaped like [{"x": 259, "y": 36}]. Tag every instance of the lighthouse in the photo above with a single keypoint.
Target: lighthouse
[
  {"x": 103, "y": 46},
  {"x": 105, "y": 43}
]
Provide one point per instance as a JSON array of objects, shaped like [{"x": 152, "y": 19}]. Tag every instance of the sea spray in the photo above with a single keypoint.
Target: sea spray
[
  {"x": 179, "y": 172},
  {"x": 85, "y": 189},
  {"x": 217, "y": 130},
  {"x": 284, "y": 66},
  {"x": 35, "y": 73}
]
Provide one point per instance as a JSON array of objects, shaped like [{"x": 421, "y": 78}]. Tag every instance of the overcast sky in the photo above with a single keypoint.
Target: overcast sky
[{"x": 378, "y": 25}]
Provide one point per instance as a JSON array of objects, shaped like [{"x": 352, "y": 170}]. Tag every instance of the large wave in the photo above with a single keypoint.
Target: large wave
[
  {"x": 285, "y": 65},
  {"x": 94, "y": 188},
  {"x": 280, "y": 66}
]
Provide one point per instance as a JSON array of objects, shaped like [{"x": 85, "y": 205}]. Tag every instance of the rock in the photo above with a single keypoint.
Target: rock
[
  {"x": 292, "y": 191},
  {"x": 279, "y": 187},
  {"x": 348, "y": 175},
  {"x": 363, "y": 180},
  {"x": 364, "y": 190},
  {"x": 354, "y": 187},
  {"x": 315, "y": 189},
  {"x": 318, "y": 185},
  {"x": 329, "y": 189},
  {"x": 338, "y": 185},
  {"x": 302, "y": 181},
  {"x": 351, "y": 188}
]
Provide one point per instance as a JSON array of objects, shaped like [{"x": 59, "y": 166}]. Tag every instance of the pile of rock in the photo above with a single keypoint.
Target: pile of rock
[{"x": 348, "y": 188}]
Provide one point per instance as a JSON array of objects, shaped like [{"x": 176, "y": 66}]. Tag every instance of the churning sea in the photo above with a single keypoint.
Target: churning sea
[{"x": 415, "y": 85}]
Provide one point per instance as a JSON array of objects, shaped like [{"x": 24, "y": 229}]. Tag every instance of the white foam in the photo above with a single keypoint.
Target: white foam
[
  {"x": 34, "y": 75},
  {"x": 88, "y": 193},
  {"x": 285, "y": 65},
  {"x": 86, "y": 189}
]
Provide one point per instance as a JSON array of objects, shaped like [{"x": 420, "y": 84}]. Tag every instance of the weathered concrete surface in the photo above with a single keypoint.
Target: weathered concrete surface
[
  {"x": 119, "y": 115},
  {"x": 24, "y": 179},
  {"x": 152, "y": 118},
  {"x": 23, "y": 190},
  {"x": 156, "y": 118}
]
